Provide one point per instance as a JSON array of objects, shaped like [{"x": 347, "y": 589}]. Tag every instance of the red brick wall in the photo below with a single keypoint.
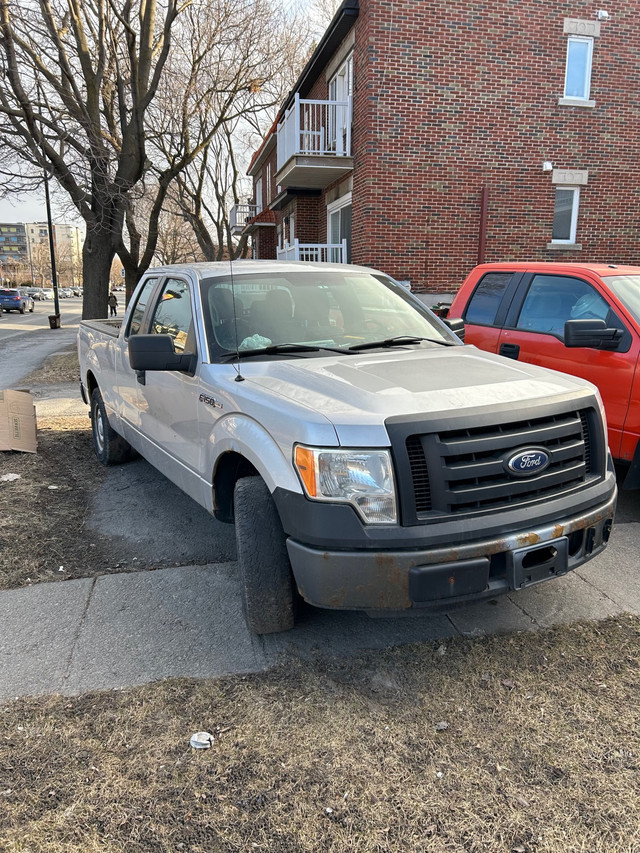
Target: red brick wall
[
  {"x": 266, "y": 243},
  {"x": 453, "y": 97}
]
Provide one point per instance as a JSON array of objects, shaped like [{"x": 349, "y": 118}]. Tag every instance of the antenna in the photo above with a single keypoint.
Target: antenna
[{"x": 239, "y": 377}]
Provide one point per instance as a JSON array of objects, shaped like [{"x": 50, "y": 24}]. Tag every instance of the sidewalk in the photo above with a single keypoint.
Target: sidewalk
[{"x": 122, "y": 630}]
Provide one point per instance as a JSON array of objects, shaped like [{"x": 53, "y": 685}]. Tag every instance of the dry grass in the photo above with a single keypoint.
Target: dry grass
[
  {"x": 62, "y": 367},
  {"x": 539, "y": 753},
  {"x": 43, "y": 513},
  {"x": 508, "y": 744}
]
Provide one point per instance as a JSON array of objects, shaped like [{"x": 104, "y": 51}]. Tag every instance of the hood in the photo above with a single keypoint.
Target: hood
[{"x": 364, "y": 389}]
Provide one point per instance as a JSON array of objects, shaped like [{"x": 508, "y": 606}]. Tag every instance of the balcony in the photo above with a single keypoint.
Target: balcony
[
  {"x": 333, "y": 253},
  {"x": 240, "y": 215},
  {"x": 314, "y": 143}
]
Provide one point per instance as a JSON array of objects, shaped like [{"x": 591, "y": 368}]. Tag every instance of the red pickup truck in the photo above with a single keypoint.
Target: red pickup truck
[{"x": 582, "y": 319}]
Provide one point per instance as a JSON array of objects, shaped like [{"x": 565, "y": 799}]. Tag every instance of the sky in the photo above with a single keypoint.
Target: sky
[{"x": 28, "y": 207}]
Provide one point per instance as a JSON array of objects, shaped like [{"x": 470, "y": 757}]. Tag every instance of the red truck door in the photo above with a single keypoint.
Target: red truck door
[
  {"x": 484, "y": 312},
  {"x": 534, "y": 332}
]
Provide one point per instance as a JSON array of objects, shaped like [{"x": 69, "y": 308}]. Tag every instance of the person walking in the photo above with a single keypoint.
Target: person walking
[{"x": 113, "y": 304}]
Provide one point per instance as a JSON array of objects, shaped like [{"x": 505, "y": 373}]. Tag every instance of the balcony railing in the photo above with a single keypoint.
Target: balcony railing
[
  {"x": 241, "y": 214},
  {"x": 334, "y": 253},
  {"x": 315, "y": 128}
]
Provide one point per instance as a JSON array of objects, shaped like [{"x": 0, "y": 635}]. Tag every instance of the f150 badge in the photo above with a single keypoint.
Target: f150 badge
[
  {"x": 527, "y": 462},
  {"x": 204, "y": 398}
]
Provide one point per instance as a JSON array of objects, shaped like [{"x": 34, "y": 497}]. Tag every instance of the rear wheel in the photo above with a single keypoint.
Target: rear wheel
[
  {"x": 110, "y": 448},
  {"x": 265, "y": 571},
  {"x": 22, "y": 309}
]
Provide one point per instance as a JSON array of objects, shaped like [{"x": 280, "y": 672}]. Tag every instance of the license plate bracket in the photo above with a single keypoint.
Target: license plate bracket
[{"x": 537, "y": 563}]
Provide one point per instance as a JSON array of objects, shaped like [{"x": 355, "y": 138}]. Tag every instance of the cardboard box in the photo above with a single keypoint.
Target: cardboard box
[{"x": 17, "y": 421}]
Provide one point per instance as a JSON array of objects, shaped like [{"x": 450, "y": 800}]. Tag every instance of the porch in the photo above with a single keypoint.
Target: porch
[
  {"x": 314, "y": 143},
  {"x": 334, "y": 253}
]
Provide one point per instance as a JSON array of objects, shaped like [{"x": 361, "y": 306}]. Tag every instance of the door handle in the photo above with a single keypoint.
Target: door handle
[{"x": 510, "y": 350}]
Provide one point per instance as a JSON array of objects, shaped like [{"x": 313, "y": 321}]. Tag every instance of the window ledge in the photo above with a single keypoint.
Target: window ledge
[
  {"x": 564, "y": 247},
  {"x": 575, "y": 102}
]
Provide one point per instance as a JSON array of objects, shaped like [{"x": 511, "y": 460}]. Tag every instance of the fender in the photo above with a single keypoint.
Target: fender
[{"x": 247, "y": 437}]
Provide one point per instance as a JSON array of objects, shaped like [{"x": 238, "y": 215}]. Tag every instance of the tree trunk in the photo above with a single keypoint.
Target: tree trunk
[{"x": 97, "y": 255}]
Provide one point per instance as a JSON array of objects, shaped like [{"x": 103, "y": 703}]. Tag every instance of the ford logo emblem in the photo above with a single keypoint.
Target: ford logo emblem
[{"x": 526, "y": 463}]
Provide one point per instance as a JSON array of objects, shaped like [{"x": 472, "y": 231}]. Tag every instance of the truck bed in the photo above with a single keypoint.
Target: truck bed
[{"x": 108, "y": 325}]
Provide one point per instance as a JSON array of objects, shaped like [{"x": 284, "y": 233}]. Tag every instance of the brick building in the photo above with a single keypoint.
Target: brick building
[{"x": 423, "y": 137}]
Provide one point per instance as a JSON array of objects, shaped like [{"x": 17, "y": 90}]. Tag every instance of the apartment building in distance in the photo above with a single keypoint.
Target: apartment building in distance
[
  {"x": 422, "y": 138},
  {"x": 25, "y": 251}
]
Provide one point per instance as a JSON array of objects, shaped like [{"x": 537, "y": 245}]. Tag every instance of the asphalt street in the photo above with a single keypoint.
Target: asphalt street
[{"x": 127, "y": 629}]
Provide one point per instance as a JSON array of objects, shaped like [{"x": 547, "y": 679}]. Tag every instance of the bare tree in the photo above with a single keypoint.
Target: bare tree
[
  {"x": 228, "y": 73},
  {"x": 176, "y": 243},
  {"x": 215, "y": 180},
  {"x": 114, "y": 98},
  {"x": 77, "y": 79}
]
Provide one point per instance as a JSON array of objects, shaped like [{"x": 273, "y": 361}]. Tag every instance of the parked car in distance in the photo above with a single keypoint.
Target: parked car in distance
[
  {"x": 47, "y": 293},
  {"x": 15, "y": 299},
  {"x": 579, "y": 318},
  {"x": 77, "y": 291}
]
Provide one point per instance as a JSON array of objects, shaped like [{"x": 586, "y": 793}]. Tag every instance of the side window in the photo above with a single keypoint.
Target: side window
[
  {"x": 486, "y": 299},
  {"x": 565, "y": 215},
  {"x": 173, "y": 315},
  {"x": 577, "y": 80},
  {"x": 552, "y": 300},
  {"x": 141, "y": 303}
]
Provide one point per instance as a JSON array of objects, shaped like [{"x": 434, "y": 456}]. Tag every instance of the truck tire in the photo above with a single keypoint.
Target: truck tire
[
  {"x": 110, "y": 448},
  {"x": 265, "y": 571}
]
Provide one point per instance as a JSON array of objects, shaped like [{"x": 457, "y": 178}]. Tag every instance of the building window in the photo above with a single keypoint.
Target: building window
[
  {"x": 565, "y": 215},
  {"x": 577, "y": 81},
  {"x": 340, "y": 94},
  {"x": 258, "y": 195},
  {"x": 339, "y": 228},
  {"x": 268, "y": 182}
]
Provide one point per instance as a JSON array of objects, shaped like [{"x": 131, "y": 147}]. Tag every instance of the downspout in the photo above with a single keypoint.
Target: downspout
[{"x": 482, "y": 235}]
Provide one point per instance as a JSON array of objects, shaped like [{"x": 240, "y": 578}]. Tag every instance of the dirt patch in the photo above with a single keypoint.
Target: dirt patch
[
  {"x": 42, "y": 534},
  {"x": 511, "y": 744},
  {"x": 62, "y": 367}
]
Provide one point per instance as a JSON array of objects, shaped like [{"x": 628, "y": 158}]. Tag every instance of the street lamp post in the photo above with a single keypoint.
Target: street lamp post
[{"x": 55, "y": 321}]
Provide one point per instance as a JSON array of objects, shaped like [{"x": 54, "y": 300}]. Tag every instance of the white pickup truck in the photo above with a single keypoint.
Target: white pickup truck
[{"x": 368, "y": 459}]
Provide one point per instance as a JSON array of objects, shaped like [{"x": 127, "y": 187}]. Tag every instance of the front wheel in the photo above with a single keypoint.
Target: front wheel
[
  {"x": 265, "y": 571},
  {"x": 110, "y": 448}
]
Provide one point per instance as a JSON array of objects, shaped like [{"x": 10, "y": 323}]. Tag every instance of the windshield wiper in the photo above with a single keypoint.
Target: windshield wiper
[
  {"x": 276, "y": 349},
  {"x": 398, "y": 341}
]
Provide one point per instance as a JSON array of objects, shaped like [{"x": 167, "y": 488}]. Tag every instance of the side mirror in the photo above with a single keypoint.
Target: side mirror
[
  {"x": 155, "y": 352},
  {"x": 456, "y": 325},
  {"x": 591, "y": 333}
]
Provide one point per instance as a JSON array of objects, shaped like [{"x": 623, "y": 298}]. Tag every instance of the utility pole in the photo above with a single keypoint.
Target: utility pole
[{"x": 54, "y": 321}]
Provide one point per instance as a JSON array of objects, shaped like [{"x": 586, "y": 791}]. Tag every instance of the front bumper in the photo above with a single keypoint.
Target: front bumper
[{"x": 442, "y": 578}]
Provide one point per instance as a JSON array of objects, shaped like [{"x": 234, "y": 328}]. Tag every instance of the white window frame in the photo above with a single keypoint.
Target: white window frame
[
  {"x": 334, "y": 207},
  {"x": 268, "y": 182},
  {"x": 587, "y": 73},
  {"x": 258, "y": 195},
  {"x": 340, "y": 90},
  {"x": 575, "y": 206}
]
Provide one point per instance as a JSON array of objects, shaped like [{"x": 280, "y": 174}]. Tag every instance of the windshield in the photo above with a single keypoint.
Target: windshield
[
  {"x": 627, "y": 289},
  {"x": 316, "y": 309}
]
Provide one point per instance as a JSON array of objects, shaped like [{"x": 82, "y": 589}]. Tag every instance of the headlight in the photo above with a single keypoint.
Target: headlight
[{"x": 363, "y": 478}]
